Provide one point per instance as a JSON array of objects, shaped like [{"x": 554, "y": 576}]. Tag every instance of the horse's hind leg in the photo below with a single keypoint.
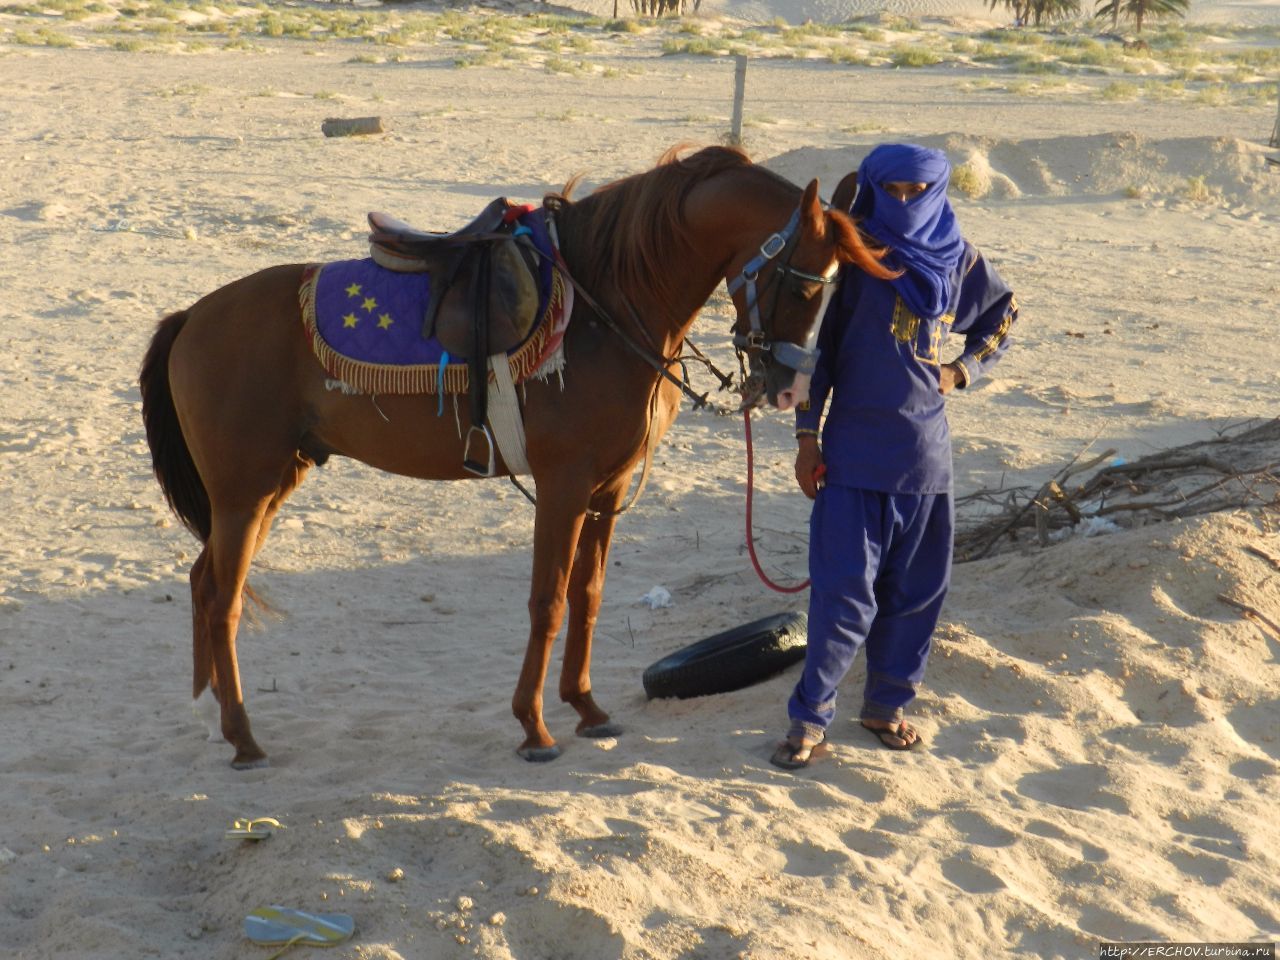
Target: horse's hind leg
[
  {"x": 204, "y": 593},
  {"x": 220, "y": 593},
  {"x": 217, "y": 597}
]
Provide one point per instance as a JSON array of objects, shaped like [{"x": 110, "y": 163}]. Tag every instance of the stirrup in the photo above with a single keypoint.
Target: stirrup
[{"x": 476, "y": 466}]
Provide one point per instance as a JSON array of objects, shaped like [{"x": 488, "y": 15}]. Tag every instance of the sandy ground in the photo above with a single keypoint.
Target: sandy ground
[{"x": 1102, "y": 729}]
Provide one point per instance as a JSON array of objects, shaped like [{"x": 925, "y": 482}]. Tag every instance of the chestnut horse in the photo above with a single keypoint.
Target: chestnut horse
[{"x": 237, "y": 411}]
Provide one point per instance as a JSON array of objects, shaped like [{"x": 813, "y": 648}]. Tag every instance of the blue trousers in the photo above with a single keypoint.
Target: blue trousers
[{"x": 880, "y": 565}]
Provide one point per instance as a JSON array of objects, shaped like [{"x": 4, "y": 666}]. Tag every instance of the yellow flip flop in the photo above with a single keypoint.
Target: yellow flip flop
[{"x": 259, "y": 828}]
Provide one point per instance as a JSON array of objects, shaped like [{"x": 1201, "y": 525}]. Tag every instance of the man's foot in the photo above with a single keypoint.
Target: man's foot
[
  {"x": 794, "y": 753},
  {"x": 894, "y": 734}
]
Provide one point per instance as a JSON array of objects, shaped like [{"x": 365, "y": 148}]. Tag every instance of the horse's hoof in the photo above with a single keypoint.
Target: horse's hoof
[
  {"x": 606, "y": 729},
  {"x": 251, "y": 764},
  {"x": 539, "y": 754}
]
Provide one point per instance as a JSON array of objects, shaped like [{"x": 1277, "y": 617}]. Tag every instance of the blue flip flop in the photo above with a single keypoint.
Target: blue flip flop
[{"x": 282, "y": 926}]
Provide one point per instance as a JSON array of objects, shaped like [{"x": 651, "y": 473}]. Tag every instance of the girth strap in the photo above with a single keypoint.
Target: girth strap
[{"x": 478, "y": 370}]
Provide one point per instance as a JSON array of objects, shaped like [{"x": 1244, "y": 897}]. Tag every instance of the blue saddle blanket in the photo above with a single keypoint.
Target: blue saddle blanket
[{"x": 365, "y": 324}]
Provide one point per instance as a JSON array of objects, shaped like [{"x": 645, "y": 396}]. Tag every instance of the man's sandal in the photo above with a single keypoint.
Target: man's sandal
[
  {"x": 791, "y": 755},
  {"x": 887, "y": 735}
]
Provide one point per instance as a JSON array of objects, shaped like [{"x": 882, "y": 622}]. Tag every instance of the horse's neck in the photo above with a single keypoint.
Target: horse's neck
[{"x": 666, "y": 319}]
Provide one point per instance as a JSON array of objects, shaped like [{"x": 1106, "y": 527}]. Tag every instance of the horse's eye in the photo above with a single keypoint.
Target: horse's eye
[{"x": 804, "y": 289}]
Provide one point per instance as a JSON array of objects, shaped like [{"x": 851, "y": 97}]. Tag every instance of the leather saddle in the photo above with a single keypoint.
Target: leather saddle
[
  {"x": 483, "y": 297},
  {"x": 480, "y": 273}
]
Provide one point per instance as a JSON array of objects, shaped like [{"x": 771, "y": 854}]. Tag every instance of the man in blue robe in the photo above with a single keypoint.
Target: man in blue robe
[{"x": 879, "y": 468}]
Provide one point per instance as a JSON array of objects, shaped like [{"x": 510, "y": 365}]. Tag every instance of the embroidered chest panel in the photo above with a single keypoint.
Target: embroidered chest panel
[{"x": 925, "y": 336}]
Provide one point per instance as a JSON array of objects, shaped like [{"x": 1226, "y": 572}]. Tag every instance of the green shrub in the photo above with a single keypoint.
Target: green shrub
[
  {"x": 849, "y": 56},
  {"x": 1120, "y": 90},
  {"x": 913, "y": 56}
]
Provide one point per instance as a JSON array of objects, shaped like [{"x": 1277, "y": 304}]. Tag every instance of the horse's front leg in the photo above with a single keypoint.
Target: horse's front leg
[
  {"x": 586, "y": 588},
  {"x": 555, "y": 538}
]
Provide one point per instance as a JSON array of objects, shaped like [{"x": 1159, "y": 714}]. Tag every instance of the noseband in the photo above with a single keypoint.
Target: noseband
[{"x": 756, "y": 342}]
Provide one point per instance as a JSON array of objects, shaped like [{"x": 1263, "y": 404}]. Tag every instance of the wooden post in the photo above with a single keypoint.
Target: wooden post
[
  {"x": 1275, "y": 131},
  {"x": 739, "y": 94}
]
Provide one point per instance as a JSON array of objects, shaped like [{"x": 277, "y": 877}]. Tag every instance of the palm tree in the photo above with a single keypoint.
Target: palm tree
[
  {"x": 1051, "y": 10},
  {"x": 1139, "y": 10},
  {"x": 1020, "y": 8}
]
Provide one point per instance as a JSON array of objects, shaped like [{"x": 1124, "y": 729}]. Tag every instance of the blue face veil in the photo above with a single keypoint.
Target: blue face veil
[{"x": 922, "y": 234}]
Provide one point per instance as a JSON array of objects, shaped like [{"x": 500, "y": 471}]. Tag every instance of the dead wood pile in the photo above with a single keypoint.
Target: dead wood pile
[{"x": 1234, "y": 470}]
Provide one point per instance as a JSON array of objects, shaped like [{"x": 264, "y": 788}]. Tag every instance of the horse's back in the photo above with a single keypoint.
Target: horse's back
[
  {"x": 241, "y": 362},
  {"x": 254, "y": 320}
]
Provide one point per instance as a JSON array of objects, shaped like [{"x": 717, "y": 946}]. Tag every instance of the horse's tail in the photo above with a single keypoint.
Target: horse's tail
[{"x": 170, "y": 455}]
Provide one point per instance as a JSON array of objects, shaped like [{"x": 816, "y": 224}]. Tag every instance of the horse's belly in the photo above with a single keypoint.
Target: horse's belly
[{"x": 407, "y": 435}]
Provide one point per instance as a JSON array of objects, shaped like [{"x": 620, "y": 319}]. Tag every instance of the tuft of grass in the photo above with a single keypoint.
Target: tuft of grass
[
  {"x": 558, "y": 64},
  {"x": 899, "y": 24},
  {"x": 913, "y": 56},
  {"x": 1197, "y": 190},
  {"x": 477, "y": 58},
  {"x": 1214, "y": 95},
  {"x": 43, "y": 37},
  {"x": 1013, "y": 37},
  {"x": 698, "y": 46},
  {"x": 1029, "y": 61},
  {"x": 850, "y": 56},
  {"x": 866, "y": 31},
  {"x": 1120, "y": 90},
  {"x": 965, "y": 180},
  {"x": 1164, "y": 89}
]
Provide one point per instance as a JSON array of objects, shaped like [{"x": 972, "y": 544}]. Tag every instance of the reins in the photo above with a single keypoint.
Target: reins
[
  {"x": 654, "y": 357},
  {"x": 651, "y": 356},
  {"x": 751, "y": 544}
]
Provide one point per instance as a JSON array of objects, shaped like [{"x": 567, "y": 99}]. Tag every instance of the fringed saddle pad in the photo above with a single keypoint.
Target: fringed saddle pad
[{"x": 365, "y": 325}]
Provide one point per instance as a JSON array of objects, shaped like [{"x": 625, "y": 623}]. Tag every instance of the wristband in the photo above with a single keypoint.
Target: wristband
[{"x": 806, "y": 432}]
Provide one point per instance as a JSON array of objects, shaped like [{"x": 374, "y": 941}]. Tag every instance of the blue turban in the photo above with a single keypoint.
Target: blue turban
[{"x": 922, "y": 233}]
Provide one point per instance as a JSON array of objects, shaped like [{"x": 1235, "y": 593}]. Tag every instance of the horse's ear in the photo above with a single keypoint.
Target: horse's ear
[
  {"x": 811, "y": 207},
  {"x": 842, "y": 199}
]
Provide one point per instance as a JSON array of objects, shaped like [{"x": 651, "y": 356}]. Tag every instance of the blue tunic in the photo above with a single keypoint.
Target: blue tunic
[{"x": 887, "y": 429}]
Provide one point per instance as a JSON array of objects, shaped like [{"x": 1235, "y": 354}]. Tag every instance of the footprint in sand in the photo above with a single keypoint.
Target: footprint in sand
[
  {"x": 971, "y": 877},
  {"x": 980, "y": 830},
  {"x": 1075, "y": 787},
  {"x": 1086, "y": 850}
]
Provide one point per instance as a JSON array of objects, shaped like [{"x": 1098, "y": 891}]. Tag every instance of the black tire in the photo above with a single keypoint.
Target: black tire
[{"x": 730, "y": 660}]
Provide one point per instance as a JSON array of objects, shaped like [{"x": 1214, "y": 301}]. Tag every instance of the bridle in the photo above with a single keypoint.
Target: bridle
[{"x": 757, "y": 343}]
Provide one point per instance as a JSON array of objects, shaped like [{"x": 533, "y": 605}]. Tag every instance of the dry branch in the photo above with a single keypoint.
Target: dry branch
[
  {"x": 1229, "y": 472},
  {"x": 1251, "y": 613}
]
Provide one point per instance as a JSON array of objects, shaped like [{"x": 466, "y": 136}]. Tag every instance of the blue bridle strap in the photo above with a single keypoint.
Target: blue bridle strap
[
  {"x": 768, "y": 250},
  {"x": 785, "y": 353}
]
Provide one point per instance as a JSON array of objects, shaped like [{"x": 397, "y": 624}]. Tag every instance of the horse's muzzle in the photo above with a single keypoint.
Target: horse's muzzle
[{"x": 786, "y": 388}]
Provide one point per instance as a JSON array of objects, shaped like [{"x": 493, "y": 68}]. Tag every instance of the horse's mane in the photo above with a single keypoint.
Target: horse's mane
[{"x": 627, "y": 230}]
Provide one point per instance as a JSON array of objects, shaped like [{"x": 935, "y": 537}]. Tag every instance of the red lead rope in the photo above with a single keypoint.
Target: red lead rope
[{"x": 751, "y": 544}]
